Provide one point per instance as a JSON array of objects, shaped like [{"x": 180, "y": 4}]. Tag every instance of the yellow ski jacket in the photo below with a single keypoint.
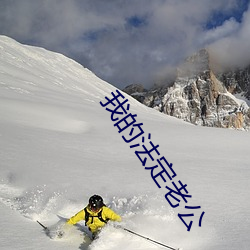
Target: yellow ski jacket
[{"x": 94, "y": 223}]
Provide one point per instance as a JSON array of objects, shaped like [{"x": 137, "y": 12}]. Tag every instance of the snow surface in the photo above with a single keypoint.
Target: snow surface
[{"x": 59, "y": 146}]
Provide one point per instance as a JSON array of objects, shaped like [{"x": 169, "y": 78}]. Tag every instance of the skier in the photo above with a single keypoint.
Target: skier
[{"x": 95, "y": 214}]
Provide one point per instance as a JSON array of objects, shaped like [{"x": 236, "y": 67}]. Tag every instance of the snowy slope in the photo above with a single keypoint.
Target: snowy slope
[{"x": 59, "y": 146}]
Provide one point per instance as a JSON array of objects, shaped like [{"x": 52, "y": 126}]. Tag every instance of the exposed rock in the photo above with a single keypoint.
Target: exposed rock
[
  {"x": 237, "y": 81},
  {"x": 137, "y": 91},
  {"x": 201, "y": 97}
]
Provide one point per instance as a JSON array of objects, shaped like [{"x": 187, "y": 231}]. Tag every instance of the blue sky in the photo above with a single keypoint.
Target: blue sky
[
  {"x": 131, "y": 41},
  {"x": 218, "y": 17}
]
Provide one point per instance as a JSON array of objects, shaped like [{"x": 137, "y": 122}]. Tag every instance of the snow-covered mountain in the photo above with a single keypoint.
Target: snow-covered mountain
[
  {"x": 59, "y": 146},
  {"x": 201, "y": 95}
]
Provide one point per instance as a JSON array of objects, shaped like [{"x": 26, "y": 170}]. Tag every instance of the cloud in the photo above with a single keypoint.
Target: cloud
[
  {"x": 233, "y": 48},
  {"x": 228, "y": 28},
  {"x": 126, "y": 42}
]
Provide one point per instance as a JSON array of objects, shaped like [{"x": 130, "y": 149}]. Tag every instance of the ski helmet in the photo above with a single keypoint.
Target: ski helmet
[{"x": 96, "y": 202}]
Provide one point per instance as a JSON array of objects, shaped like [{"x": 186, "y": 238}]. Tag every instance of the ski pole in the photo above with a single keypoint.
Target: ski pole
[
  {"x": 148, "y": 239},
  {"x": 45, "y": 228}
]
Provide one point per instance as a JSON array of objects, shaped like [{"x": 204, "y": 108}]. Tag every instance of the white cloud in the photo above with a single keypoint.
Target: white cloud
[
  {"x": 233, "y": 49},
  {"x": 228, "y": 28},
  {"x": 97, "y": 32}
]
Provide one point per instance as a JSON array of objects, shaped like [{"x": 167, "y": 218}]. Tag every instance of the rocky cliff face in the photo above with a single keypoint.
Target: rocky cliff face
[
  {"x": 200, "y": 96},
  {"x": 237, "y": 81}
]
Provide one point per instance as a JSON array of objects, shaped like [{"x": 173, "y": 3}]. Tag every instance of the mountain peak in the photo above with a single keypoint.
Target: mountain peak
[
  {"x": 202, "y": 97},
  {"x": 197, "y": 64}
]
